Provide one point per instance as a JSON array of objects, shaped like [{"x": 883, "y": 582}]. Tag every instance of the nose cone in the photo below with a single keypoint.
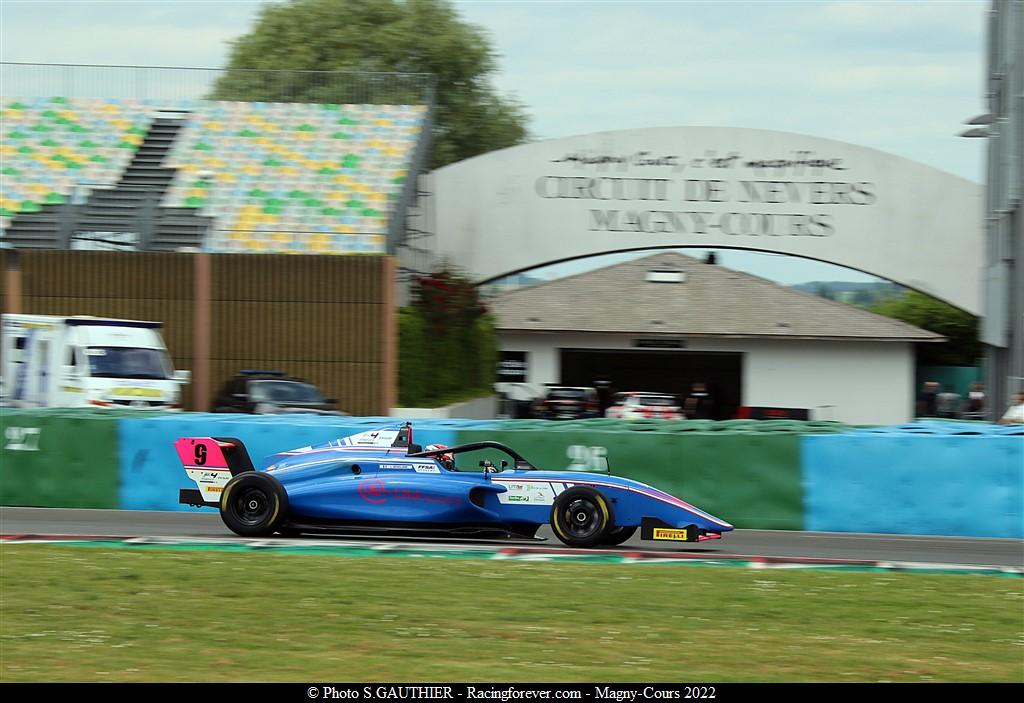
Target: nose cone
[{"x": 715, "y": 524}]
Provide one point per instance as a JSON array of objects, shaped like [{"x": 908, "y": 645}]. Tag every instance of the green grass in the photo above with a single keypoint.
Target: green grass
[{"x": 97, "y": 614}]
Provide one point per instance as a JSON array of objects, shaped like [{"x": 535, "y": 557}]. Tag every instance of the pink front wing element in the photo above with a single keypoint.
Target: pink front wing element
[
  {"x": 202, "y": 453},
  {"x": 710, "y": 535}
]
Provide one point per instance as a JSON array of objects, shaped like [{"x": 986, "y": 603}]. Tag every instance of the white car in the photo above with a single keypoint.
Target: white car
[{"x": 637, "y": 405}]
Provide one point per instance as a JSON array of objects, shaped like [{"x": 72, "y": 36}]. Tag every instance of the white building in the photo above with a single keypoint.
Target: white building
[{"x": 663, "y": 322}]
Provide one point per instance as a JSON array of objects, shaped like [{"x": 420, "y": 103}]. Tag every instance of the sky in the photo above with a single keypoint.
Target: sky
[{"x": 899, "y": 76}]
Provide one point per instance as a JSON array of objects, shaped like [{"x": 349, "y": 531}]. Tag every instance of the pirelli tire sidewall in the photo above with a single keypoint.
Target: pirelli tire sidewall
[
  {"x": 595, "y": 511},
  {"x": 254, "y": 504}
]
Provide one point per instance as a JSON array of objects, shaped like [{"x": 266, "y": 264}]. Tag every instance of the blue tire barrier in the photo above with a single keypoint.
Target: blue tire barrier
[{"x": 911, "y": 482}]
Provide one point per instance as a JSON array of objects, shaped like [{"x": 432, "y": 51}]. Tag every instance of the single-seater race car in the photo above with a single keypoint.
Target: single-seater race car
[{"x": 381, "y": 481}]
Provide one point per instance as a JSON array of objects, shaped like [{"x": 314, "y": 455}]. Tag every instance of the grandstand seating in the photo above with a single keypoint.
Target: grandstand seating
[
  {"x": 50, "y": 146},
  {"x": 276, "y": 177}
]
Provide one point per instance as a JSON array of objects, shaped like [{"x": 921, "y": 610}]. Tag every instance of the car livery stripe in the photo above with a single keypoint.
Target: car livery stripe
[
  {"x": 303, "y": 465},
  {"x": 645, "y": 491},
  {"x": 205, "y": 468},
  {"x": 299, "y": 452}
]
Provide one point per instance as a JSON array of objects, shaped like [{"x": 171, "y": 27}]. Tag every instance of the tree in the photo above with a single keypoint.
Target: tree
[
  {"x": 823, "y": 291},
  {"x": 410, "y": 36},
  {"x": 920, "y": 310},
  {"x": 448, "y": 347}
]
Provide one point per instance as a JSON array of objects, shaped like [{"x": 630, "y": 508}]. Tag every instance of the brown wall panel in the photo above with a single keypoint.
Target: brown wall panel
[
  {"x": 325, "y": 318},
  {"x": 318, "y": 317}
]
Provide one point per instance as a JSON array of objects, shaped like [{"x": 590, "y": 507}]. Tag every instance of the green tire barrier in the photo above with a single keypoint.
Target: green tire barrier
[
  {"x": 59, "y": 458},
  {"x": 749, "y": 479}
]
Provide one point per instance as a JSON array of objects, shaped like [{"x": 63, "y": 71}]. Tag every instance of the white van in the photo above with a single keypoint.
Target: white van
[{"x": 81, "y": 361}]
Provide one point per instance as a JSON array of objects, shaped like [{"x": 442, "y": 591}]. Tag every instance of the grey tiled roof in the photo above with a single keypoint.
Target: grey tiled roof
[{"x": 712, "y": 302}]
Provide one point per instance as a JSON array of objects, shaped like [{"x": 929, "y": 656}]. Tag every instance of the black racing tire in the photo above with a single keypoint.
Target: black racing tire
[
  {"x": 254, "y": 504},
  {"x": 581, "y": 517},
  {"x": 617, "y": 535}
]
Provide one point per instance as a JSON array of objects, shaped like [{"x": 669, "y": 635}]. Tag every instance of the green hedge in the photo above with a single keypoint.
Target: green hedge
[{"x": 436, "y": 369}]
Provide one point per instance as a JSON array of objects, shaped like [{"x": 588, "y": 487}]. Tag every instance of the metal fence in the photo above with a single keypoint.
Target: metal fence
[{"x": 166, "y": 83}]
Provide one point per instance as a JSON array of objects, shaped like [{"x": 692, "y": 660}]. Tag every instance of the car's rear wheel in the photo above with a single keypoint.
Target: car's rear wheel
[
  {"x": 618, "y": 535},
  {"x": 581, "y": 517},
  {"x": 254, "y": 504}
]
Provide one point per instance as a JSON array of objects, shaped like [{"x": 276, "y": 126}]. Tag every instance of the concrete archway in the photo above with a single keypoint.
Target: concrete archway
[{"x": 711, "y": 187}]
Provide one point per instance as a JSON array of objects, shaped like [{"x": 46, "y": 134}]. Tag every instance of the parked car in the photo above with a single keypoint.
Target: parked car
[
  {"x": 637, "y": 405},
  {"x": 567, "y": 403},
  {"x": 269, "y": 392},
  {"x": 381, "y": 481}
]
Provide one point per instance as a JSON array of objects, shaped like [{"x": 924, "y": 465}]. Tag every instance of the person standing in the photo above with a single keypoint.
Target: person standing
[
  {"x": 947, "y": 404},
  {"x": 926, "y": 400},
  {"x": 974, "y": 408},
  {"x": 1015, "y": 413},
  {"x": 699, "y": 405}
]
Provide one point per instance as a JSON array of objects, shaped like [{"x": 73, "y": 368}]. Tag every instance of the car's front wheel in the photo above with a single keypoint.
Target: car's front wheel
[
  {"x": 581, "y": 517},
  {"x": 254, "y": 504}
]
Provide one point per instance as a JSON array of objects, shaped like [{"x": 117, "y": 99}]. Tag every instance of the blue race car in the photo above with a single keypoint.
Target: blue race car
[{"x": 381, "y": 481}]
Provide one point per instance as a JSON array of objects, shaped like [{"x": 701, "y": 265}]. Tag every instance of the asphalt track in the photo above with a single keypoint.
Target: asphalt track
[{"x": 839, "y": 546}]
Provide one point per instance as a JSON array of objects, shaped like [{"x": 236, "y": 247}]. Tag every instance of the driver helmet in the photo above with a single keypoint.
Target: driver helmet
[{"x": 447, "y": 460}]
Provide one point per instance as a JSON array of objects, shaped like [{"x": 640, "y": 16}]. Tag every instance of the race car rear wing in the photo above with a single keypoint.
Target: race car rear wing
[{"x": 210, "y": 462}]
